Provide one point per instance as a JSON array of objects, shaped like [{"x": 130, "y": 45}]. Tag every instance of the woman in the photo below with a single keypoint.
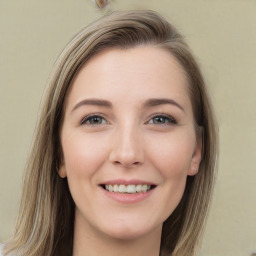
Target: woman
[{"x": 124, "y": 156}]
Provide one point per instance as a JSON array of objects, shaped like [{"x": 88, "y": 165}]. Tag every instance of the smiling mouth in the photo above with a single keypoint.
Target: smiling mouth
[{"x": 128, "y": 189}]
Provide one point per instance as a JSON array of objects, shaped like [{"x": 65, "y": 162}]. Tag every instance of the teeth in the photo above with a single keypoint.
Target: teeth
[
  {"x": 144, "y": 188},
  {"x": 138, "y": 188},
  {"x": 131, "y": 189},
  {"x": 122, "y": 189},
  {"x": 115, "y": 188}
]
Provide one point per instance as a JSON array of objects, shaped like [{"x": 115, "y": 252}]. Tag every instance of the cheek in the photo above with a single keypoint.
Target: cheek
[
  {"x": 172, "y": 159},
  {"x": 82, "y": 158},
  {"x": 82, "y": 155},
  {"x": 173, "y": 156}
]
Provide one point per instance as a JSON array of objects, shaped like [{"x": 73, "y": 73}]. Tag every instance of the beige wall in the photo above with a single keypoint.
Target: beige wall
[{"x": 222, "y": 34}]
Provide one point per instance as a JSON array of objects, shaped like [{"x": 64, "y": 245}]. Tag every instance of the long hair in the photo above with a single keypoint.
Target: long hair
[{"x": 46, "y": 217}]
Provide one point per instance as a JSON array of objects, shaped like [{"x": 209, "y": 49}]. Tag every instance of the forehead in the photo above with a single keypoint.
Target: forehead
[{"x": 136, "y": 73}]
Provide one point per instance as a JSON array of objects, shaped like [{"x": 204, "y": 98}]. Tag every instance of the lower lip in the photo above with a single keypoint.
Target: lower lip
[{"x": 128, "y": 198}]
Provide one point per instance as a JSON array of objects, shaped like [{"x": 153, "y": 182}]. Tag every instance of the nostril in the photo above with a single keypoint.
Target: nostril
[
  {"x": 133, "y": 164},
  {"x": 127, "y": 164},
  {"x": 125, "y": 151}
]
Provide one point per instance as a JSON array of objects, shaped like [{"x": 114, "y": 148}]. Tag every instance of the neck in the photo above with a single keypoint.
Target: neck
[{"x": 89, "y": 242}]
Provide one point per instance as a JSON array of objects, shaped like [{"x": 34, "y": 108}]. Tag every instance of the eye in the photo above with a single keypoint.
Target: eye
[
  {"x": 93, "y": 120},
  {"x": 162, "y": 119}
]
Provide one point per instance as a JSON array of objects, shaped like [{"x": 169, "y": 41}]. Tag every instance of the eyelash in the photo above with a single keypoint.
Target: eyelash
[
  {"x": 168, "y": 120},
  {"x": 90, "y": 117}
]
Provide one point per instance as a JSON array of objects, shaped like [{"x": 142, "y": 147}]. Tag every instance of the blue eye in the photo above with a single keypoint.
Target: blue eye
[
  {"x": 161, "y": 119},
  {"x": 93, "y": 120}
]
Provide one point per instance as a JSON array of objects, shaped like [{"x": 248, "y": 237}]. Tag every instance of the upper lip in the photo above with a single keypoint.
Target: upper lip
[{"x": 127, "y": 182}]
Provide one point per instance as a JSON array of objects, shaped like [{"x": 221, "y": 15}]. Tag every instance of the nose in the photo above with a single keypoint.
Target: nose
[{"x": 127, "y": 148}]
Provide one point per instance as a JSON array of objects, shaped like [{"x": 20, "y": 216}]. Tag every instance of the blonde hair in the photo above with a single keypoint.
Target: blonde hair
[{"x": 46, "y": 216}]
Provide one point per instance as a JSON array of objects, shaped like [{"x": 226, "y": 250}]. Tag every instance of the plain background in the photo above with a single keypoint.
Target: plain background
[{"x": 221, "y": 33}]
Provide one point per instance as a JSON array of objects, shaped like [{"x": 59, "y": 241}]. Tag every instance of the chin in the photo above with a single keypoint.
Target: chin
[{"x": 129, "y": 232}]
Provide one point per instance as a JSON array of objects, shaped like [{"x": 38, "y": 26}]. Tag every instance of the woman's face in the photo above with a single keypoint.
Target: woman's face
[{"x": 128, "y": 126}]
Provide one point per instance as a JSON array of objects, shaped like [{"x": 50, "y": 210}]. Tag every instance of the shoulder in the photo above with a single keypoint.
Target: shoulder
[{"x": 1, "y": 249}]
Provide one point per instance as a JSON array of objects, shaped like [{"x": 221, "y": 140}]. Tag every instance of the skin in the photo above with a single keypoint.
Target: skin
[{"x": 130, "y": 140}]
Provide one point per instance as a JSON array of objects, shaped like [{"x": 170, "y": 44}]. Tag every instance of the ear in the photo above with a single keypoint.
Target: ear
[
  {"x": 60, "y": 163},
  {"x": 197, "y": 155},
  {"x": 62, "y": 170}
]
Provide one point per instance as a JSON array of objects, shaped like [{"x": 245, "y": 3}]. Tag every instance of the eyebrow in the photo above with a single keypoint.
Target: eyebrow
[
  {"x": 108, "y": 104},
  {"x": 162, "y": 101},
  {"x": 95, "y": 102}
]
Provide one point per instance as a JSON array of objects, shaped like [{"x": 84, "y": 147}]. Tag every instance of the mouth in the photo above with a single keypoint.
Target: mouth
[{"x": 127, "y": 189}]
